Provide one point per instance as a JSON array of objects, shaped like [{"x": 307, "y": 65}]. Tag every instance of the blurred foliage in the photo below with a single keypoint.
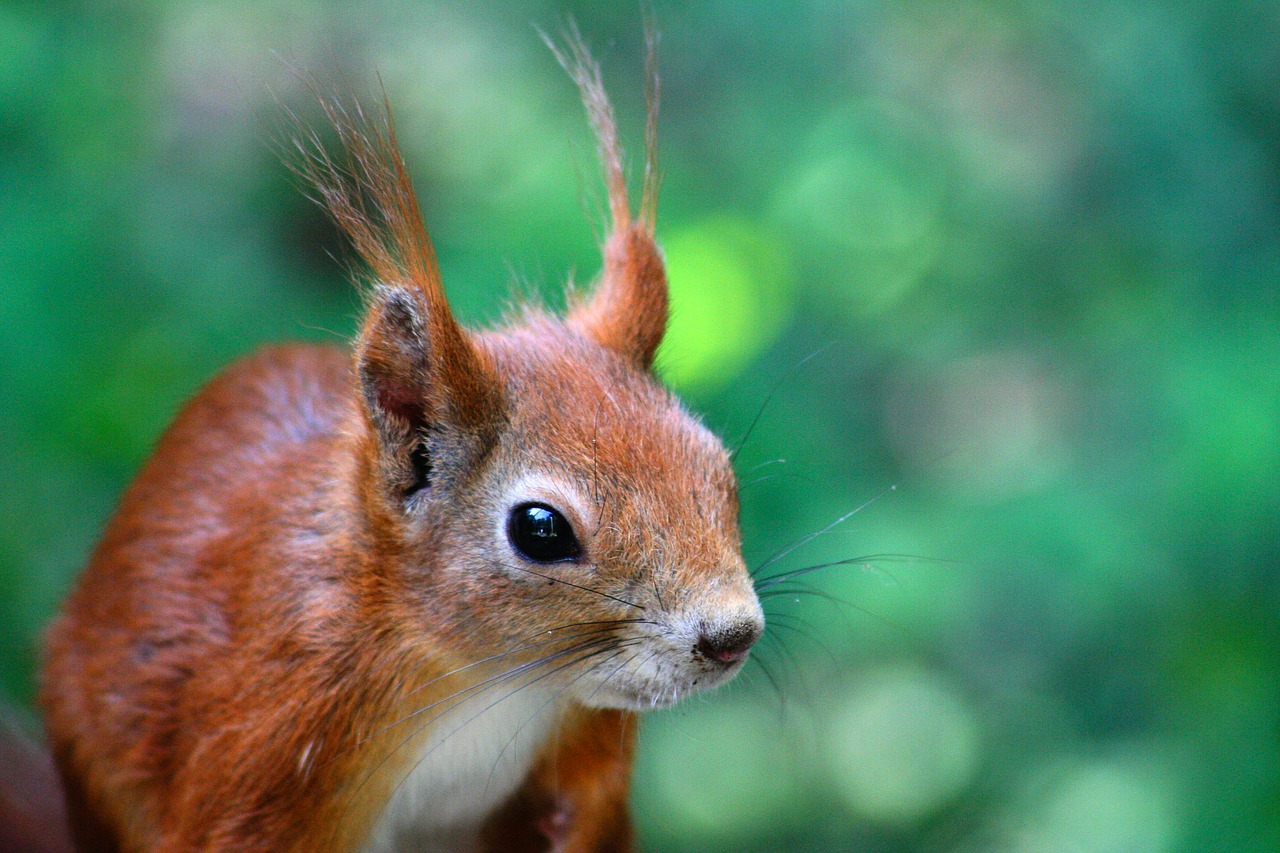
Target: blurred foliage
[{"x": 1017, "y": 259}]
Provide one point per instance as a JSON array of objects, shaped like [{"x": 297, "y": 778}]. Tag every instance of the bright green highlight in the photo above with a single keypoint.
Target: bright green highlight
[{"x": 730, "y": 297}]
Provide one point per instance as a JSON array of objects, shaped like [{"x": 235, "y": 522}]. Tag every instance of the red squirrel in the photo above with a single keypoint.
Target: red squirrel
[{"x": 408, "y": 597}]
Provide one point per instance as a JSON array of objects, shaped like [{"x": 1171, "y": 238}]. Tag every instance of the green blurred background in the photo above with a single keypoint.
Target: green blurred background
[{"x": 1033, "y": 245}]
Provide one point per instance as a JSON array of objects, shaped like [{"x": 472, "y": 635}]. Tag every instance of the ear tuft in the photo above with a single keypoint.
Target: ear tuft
[
  {"x": 425, "y": 384},
  {"x": 628, "y": 312}
]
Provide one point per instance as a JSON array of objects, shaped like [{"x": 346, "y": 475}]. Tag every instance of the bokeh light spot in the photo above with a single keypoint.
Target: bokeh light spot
[
  {"x": 867, "y": 205},
  {"x": 729, "y": 299},
  {"x": 723, "y": 777},
  {"x": 904, "y": 746},
  {"x": 1113, "y": 806}
]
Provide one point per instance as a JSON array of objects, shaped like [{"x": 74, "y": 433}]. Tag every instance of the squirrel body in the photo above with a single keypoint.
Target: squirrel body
[{"x": 409, "y": 597}]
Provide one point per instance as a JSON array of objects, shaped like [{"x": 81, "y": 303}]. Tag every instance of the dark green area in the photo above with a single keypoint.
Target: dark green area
[{"x": 1034, "y": 246}]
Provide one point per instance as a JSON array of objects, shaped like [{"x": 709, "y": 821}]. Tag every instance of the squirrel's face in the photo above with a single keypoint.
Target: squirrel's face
[
  {"x": 600, "y": 533},
  {"x": 535, "y": 497}
]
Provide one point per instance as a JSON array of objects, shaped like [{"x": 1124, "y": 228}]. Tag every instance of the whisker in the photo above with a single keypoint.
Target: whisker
[
  {"x": 608, "y": 626},
  {"x": 844, "y": 603},
  {"x": 556, "y": 696},
  {"x": 618, "y": 668},
  {"x": 765, "y": 464},
  {"x": 805, "y": 540},
  {"x": 763, "y": 584},
  {"x": 654, "y": 700},
  {"x": 485, "y": 684},
  {"x": 794, "y": 590},
  {"x": 773, "y": 681},
  {"x": 764, "y": 479},
  {"x": 794, "y": 473},
  {"x": 599, "y": 646},
  {"x": 572, "y": 584},
  {"x": 484, "y": 710},
  {"x": 608, "y": 623},
  {"x": 784, "y": 621},
  {"x": 733, "y": 455},
  {"x": 657, "y": 593}
]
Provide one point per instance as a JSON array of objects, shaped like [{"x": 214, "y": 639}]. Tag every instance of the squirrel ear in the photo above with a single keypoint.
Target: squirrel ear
[
  {"x": 393, "y": 363},
  {"x": 628, "y": 312},
  {"x": 421, "y": 378},
  {"x": 420, "y": 372}
]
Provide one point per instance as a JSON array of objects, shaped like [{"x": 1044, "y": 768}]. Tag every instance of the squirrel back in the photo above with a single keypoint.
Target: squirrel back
[{"x": 414, "y": 595}]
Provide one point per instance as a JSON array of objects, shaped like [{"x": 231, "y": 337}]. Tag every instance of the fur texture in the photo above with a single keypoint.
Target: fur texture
[{"x": 307, "y": 626}]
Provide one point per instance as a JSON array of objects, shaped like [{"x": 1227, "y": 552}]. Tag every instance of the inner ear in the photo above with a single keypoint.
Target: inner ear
[
  {"x": 420, "y": 464},
  {"x": 394, "y": 366},
  {"x": 428, "y": 390}
]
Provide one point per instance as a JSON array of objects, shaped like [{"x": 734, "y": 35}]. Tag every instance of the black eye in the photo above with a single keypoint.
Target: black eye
[{"x": 541, "y": 534}]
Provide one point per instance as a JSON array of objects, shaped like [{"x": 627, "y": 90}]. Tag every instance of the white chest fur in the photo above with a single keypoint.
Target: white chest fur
[{"x": 472, "y": 758}]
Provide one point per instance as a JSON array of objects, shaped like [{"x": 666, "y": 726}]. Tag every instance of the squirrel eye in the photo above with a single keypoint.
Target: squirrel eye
[{"x": 541, "y": 534}]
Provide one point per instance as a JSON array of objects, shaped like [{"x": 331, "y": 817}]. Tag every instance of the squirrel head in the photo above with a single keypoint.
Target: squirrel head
[{"x": 534, "y": 493}]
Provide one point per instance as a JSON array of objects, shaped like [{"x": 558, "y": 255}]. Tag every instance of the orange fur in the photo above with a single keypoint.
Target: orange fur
[{"x": 308, "y": 589}]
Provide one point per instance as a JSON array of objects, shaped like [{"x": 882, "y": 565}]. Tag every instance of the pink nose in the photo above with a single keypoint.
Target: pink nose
[{"x": 728, "y": 646}]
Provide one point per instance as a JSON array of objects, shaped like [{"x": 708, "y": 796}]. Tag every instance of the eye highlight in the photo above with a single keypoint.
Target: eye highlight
[{"x": 541, "y": 534}]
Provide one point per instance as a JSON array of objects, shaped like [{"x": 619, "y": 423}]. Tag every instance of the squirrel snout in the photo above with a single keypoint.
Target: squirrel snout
[{"x": 728, "y": 645}]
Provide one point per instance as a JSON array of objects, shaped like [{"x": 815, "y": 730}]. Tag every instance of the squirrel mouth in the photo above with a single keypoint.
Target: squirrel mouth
[
  {"x": 665, "y": 686},
  {"x": 627, "y": 698}
]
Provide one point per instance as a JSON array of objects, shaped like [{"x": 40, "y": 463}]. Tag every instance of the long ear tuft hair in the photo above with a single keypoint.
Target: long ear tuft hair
[
  {"x": 419, "y": 369},
  {"x": 628, "y": 311},
  {"x": 369, "y": 194}
]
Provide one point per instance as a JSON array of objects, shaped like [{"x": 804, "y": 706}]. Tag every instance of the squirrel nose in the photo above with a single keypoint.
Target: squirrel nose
[{"x": 728, "y": 645}]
